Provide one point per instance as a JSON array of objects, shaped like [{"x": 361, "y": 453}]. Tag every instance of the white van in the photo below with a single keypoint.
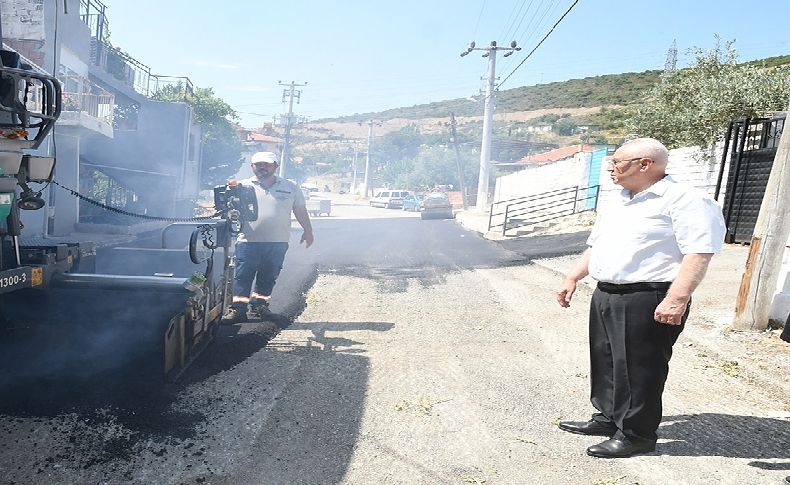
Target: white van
[{"x": 389, "y": 199}]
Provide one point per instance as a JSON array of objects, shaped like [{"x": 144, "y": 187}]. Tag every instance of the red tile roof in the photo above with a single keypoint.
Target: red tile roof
[
  {"x": 557, "y": 154},
  {"x": 264, "y": 138}
]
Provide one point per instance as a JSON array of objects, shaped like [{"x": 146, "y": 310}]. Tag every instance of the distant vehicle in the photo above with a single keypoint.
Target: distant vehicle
[
  {"x": 316, "y": 207},
  {"x": 437, "y": 205},
  {"x": 413, "y": 202},
  {"x": 389, "y": 199}
]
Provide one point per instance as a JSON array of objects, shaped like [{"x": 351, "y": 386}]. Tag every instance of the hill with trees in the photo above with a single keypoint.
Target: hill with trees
[
  {"x": 413, "y": 146},
  {"x": 606, "y": 90}
]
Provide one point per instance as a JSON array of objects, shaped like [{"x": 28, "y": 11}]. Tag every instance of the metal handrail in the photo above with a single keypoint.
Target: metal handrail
[
  {"x": 526, "y": 198},
  {"x": 550, "y": 215},
  {"x": 157, "y": 82},
  {"x": 517, "y": 207}
]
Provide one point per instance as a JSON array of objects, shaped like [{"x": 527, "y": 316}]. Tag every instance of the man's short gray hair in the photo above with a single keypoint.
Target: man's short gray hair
[{"x": 648, "y": 147}]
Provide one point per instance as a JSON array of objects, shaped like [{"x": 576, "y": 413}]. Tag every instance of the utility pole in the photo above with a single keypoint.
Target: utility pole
[
  {"x": 291, "y": 93},
  {"x": 367, "y": 156},
  {"x": 763, "y": 266},
  {"x": 354, "y": 170},
  {"x": 488, "y": 117},
  {"x": 461, "y": 183}
]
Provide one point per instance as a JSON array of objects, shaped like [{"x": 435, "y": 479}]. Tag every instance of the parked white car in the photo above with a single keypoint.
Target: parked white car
[{"x": 389, "y": 199}]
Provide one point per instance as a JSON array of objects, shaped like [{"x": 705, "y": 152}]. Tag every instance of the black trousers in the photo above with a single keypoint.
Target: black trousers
[{"x": 629, "y": 357}]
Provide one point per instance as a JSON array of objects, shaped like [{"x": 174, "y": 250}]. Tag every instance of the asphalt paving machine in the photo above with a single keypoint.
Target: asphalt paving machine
[{"x": 62, "y": 307}]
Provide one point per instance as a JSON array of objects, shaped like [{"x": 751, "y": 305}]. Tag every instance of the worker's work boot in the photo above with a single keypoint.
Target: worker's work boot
[
  {"x": 259, "y": 310},
  {"x": 234, "y": 315}
]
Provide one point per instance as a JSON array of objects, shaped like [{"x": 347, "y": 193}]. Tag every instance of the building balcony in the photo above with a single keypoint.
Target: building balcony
[
  {"x": 86, "y": 105},
  {"x": 134, "y": 74},
  {"x": 120, "y": 66}
]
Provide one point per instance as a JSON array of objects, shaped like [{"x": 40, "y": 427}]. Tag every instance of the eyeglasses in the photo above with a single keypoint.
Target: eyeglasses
[{"x": 612, "y": 162}]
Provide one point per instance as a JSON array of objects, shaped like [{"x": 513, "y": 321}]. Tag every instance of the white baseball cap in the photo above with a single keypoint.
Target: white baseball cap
[{"x": 264, "y": 157}]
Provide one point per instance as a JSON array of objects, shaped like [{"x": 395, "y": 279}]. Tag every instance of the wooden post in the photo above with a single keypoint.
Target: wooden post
[{"x": 758, "y": 286}]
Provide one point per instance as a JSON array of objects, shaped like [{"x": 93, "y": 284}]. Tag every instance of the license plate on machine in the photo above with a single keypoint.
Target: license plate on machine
[{"x": 15, "y": 279}]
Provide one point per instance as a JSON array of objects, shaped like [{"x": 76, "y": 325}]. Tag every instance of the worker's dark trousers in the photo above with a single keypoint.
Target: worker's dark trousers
[
  {"x": 259, "y": 261},
  {"x": 629, "y": 359}
]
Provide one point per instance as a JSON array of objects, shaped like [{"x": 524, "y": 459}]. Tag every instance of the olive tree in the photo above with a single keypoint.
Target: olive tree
[
  {"x": 221, "y": 145},
  {"x": 693, "y": 106}
]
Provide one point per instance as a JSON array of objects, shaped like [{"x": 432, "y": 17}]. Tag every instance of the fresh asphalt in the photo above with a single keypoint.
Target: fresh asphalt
[{"x": 112, "y": 428}]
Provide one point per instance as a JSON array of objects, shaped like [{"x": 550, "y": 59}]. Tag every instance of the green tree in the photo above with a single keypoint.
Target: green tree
[
  {"x": 693, "y": 106},
  {"x": 566, "y": 126},
  {"x": 398, "y": 145},
  {"x": 221, "y": 146}
]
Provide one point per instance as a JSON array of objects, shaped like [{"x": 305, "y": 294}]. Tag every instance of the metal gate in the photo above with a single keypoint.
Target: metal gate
[{"x": 752, "y": 145}]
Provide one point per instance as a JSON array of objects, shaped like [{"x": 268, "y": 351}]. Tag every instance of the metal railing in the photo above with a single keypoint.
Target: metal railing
[
  {"x": 534, "y": 209},
  {"x": 100, "y": 106},
  {"x": 137, "y": 75},
  {"x": 92, "y": 14},
  {"x": 81, "y": 95},
  {"x": 121, "y": 65},
  {"x": 159, "y": 84}
]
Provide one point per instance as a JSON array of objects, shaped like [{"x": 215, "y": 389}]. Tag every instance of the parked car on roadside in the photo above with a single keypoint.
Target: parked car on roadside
[
  {"x": 389, "y": 199},
  {"x": 437, "y": 205},
  {"x": 413, "y": 202}
]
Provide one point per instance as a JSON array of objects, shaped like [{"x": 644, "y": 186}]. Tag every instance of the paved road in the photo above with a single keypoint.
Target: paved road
[{"x": 420, "y": 353}]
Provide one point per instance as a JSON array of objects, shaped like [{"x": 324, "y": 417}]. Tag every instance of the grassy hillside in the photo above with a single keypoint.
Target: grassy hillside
[
  {"x": 607, "y": 90},
  {"x": 610, "y": 89}
]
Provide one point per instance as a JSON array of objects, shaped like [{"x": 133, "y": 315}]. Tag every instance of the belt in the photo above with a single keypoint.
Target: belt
[{"x": 634, "y": 287}]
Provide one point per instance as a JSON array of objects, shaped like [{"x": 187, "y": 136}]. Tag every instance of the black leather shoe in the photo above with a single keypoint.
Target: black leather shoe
[
  {"x": 591, "y": 427},
  {"x": 621, "y": 448}
]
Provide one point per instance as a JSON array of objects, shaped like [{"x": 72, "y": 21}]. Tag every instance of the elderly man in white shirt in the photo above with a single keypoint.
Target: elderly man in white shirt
[{"x": 648, "y": 252}]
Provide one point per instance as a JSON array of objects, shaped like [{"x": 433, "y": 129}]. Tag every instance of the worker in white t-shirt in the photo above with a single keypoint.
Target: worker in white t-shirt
[{"x": 262, "y": 244}]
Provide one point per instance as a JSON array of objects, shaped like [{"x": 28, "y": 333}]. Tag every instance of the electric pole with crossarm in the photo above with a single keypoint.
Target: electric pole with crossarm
[
  {"x": 290, "y": 92},
  {"x": 488, "y": 117}
]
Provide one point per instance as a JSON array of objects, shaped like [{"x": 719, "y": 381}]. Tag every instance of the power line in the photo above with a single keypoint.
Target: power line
[
  {"x": 479, "y": 15},
  {"x": 539, "y": 44},
  {"x": 511, "y": 17},
  {"x": 517, "y": 34},
  {"x": 506, "y": 34}
]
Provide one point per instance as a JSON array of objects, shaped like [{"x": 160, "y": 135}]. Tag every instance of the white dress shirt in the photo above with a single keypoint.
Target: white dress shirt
[{"x": 644, "y": 238}]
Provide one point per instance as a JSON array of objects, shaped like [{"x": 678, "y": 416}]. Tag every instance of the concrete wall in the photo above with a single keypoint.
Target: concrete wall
[
  {"x": 24, "y": 28},
  {"x": 543, "y": 177}
]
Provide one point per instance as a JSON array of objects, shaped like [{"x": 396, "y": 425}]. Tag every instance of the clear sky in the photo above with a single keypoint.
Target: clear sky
[{"x": 367, "y": 55}]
